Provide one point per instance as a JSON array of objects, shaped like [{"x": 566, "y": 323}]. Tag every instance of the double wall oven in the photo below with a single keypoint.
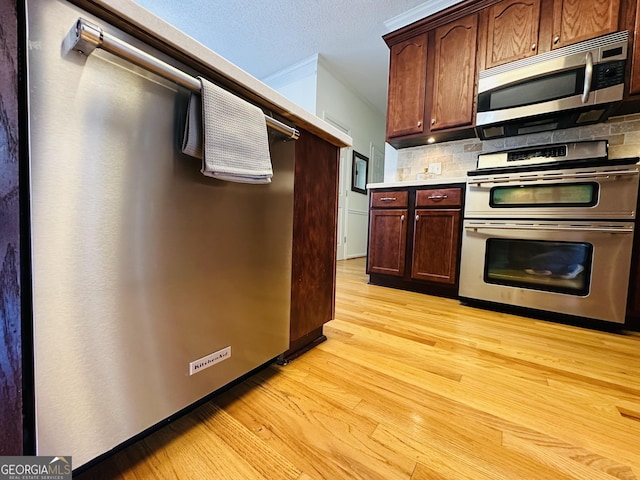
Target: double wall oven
[{"x": 551, "y": 228}]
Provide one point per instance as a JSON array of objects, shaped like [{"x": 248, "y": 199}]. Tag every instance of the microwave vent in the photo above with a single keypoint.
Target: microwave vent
[{"x": 609, "y": 42}]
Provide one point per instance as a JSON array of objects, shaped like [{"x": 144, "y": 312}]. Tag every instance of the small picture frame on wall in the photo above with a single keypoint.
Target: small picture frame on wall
[{"x": 359, "y": 173}]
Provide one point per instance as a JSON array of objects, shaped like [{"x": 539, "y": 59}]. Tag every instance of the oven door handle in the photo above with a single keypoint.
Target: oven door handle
[
  {"x": 555, "y": 228},
  {"x": 565, "y": 176}
]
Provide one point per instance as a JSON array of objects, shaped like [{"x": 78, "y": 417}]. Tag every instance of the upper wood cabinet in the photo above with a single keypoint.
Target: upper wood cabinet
[
  {"x": 432, "y": 81},
  {"x": 513, "y": 27},
  {"x": 634, "y": 82},
  {"x": 578, "y": 20},
  {"x": 454, "y": 73},
  {"x": 407, "y": 86},
  {"x": 434, "y": 62}
]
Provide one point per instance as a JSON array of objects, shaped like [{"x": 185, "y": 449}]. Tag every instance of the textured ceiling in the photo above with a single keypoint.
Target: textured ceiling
[{"x": 264, "y": 37}]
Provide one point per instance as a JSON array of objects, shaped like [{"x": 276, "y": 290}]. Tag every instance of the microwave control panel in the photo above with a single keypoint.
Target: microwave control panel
[{"x": 608, "y": 74}]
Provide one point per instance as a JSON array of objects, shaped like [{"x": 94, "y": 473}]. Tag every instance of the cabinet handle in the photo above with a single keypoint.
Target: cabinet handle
[
  {"x": 437, "y": 197},
  {"x": 417, "y": 217},
  {"x": 402, "y": 218},
  {"x": 433, "y": 121},
  {"x": 419, "y": 124},
  {"x": 533, "y": 47},
  {"x": 388, "y": 199},
  {"x": 556, "y": 39}
]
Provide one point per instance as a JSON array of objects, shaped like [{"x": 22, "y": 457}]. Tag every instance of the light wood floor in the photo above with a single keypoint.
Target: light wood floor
[{"x": 415, "y": 387}]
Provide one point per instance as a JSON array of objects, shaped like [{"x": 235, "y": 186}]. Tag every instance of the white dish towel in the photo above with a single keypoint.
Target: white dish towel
[{"x": 229, "y": 135}]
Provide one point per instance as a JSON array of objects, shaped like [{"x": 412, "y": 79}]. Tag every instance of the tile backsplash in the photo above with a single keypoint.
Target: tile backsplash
[{"x": 457, "y": 158}]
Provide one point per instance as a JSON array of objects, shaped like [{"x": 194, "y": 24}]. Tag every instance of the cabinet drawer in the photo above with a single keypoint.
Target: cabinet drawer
[
  {"x": 441, "y": 197},
  {"x": 389, "y": 199}
]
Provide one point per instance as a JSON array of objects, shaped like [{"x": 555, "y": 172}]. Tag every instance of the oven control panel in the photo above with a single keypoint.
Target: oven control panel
[
  {"x": 542, "y": 156},
  {"x": 556, "y": 152}
]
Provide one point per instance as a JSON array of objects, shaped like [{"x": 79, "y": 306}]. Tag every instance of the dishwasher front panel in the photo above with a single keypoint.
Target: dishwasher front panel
[{"x": 144, "y": 271}]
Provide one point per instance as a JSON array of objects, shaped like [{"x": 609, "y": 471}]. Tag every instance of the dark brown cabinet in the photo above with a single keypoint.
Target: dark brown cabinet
[
  {"x": 633, "y": 301},
  {"x": 313, "y": 273},
  {"x": 633, "y": 297},
  {"x": 434, "y": 63},
  {"x": 516, "y": 30},
  {"x": 578, "y": 20},
  {"x": 434, "y": 239},
  {"x": 414, "y": 239},
  {"x": 407, "y": 87},
  {"x": 436, "y": 235},
  {"x": 512, "y": 31},
  {"x": 454, "y": 73},
  {"x": 431, "y": 84},
  {"x": 387, "y": 233},
  {"x": 12, "y": 378},
  {"x": 634, "y": 82}
]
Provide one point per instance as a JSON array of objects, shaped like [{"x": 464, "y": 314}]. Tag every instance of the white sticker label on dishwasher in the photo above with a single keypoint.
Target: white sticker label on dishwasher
[{"x": 211, "y": 359}]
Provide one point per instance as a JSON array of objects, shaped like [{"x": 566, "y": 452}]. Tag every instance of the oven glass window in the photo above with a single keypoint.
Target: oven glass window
[
  {"x": 563, "y": 267},
  {"x": 556, "y": 195}
]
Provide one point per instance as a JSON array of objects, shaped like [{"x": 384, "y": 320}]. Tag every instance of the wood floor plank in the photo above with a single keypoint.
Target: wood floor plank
[
  {"x": 411, "y": 414},
  {"x": 209, "y": 440},
  {"x": 330, "y": 442},
  {"x": 453, "y": 460},
  {"x": 402, "y": 406},
  {"x": 575, "y": 461},
  {"x": 507, "y": 397},
  {"x": 414, "y": 387}
]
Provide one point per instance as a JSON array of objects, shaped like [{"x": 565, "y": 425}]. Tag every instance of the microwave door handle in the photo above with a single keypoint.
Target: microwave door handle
[{"x": 588, "y": 75}]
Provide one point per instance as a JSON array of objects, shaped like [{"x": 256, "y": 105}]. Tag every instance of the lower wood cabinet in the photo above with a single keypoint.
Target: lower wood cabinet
[
  {"x": 436, "y": 236},
  {"x": 414, "y": 238},
  {"x": 388, "y": 233},
  {"x": 387, "y": 250},
  {"x": 633, "y": 297}
]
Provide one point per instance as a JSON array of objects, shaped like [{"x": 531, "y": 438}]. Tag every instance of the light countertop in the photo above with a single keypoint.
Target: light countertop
[
  {"x": 418, "y": 183},
  {"x": 136, "y": 18}
]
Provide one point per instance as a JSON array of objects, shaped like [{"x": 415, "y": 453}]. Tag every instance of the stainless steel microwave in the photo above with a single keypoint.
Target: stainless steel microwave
[{"x": 575, "y": 85}]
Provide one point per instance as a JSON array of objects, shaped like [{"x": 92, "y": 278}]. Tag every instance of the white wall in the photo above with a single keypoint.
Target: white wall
[
  {"x": 342, "y": 103},
  {"x": 311, "y": 84},
  {"x": 298, "y": 83},
  {"x": 390, "y": 163}
]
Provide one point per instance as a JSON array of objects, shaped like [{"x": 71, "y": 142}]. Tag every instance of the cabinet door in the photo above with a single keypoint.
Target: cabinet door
[
  {"x": 454, "y": 73},
  {"x": 577, "y": 20},
  {"x": 634, "y": 83},
  {"x": 387, "y": 241},
  {"x": 315, "y": 208},
  {"x": 12, "y": 408},
  {"x": 435, "y": 245},
  {"x": 512, "y": 31},
  {"x": 407, "y": 83}
]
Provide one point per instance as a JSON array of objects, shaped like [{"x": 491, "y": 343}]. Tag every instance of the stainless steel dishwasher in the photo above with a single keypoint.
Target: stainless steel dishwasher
[{"x": 153, "y": 285}]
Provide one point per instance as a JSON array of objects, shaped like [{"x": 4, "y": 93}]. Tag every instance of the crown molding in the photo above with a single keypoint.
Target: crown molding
[
  {"x": 417, "y": 13},
  {"x": 302, "y": 69}
]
